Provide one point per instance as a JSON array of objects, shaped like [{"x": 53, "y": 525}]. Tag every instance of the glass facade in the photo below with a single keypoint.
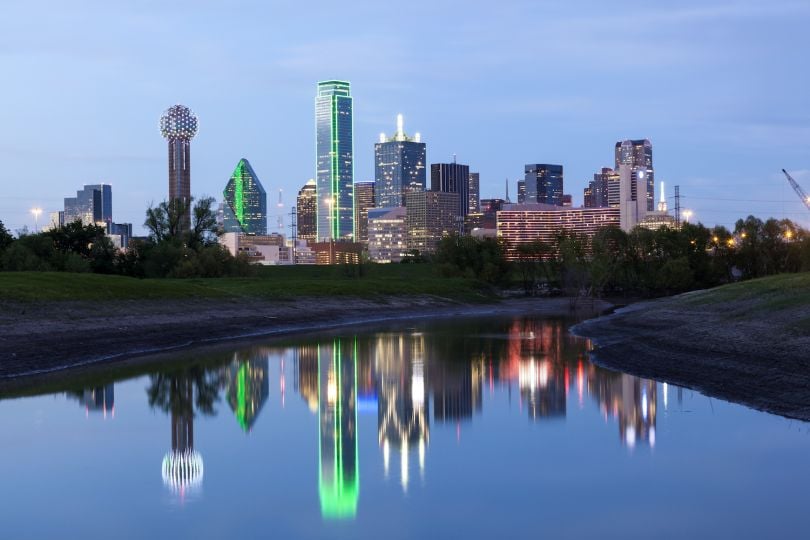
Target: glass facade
[
  {"x": 335, "y": 166},
  {"x": 452, "y": 178},
  {"x": 638, "y": 155},
  {"x": 544, "y": 184},
  {"x": 474, "y": 194},
  {"x": 245, "y": 209},
  {"x": 399, "y": 167},
  {"x": 91, "y": 205},
  {"x": 363, "y": 201},
  {"x": 306, "y": 213}
]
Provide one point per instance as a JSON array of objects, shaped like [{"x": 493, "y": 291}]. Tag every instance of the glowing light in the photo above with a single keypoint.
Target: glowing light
[
  {"x": 630, "y": 436},
  {"x": 666, "y": 389},
  {"x": 386, "y": 456},
  {"x": 652, "y": 436},
  {"x": 182, "y": 470},
  {"x": 36, "y": 212},
  {"x": 421, "y": 456},
  {"x": 400, "y": 127},
  {"x": 382, "y": 137},
  {"x": 687, "y": 214},
  {"x": 178, "y": 122},
  {"x": 403, "y": 464}
]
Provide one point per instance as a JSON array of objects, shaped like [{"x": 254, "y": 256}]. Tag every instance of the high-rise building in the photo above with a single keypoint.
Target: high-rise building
[
  {"x": 430, "y": 216},
  {"x": 387, "y": 234},
  {"x": 637, "y": 154},
  {"x": 399, "y": 166},
  {"x": 178, "y": 125},
  {"x": 335, "y": 165},
  {"x": 521, "y": 191},
  {"x": 363, "y": 201},
  {"x": 604, "y": 189},
  {"x": 544, "y": 183},
  {"x": 91, "y": 205},
  {"x": 306, "y": 212},
  {"x": 245, "y": 202},
  {"x": 474, "y": 194},
  {"x": 632, "y": 195},
  {"x": 524, "y": 223},
  {"x": 452, "y": 178}
]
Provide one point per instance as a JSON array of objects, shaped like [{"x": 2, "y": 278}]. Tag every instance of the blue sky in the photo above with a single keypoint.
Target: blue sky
[{"x": 720, "y": 88}]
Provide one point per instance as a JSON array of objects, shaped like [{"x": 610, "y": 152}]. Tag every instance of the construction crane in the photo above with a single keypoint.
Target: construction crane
[{"x": 798, "y": 189}]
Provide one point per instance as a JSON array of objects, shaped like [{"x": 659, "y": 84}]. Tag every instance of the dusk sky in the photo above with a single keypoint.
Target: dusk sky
[{"x": 719, "y": 87}]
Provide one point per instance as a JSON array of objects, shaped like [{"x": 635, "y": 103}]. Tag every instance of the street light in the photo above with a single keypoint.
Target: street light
[
  {"x": 686, "y": 215},
  {"x": 36, "y": 212}
]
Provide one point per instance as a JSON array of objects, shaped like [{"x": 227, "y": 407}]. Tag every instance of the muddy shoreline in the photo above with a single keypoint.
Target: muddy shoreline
[
  {"x": 40, "y": 341},
  {"x": 720, "y": 350}
]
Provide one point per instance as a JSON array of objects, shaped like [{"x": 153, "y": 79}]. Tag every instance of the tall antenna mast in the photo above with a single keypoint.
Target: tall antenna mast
[
  {"x": 507, "y": 191},
  {"x": 678, "y": 206}
]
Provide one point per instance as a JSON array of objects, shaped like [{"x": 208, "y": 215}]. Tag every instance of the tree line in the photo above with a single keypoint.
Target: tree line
[{"x": 170, "y": 250}]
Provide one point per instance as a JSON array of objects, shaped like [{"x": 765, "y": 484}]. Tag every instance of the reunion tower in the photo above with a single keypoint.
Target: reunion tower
[{"x": 178, "y": 125}]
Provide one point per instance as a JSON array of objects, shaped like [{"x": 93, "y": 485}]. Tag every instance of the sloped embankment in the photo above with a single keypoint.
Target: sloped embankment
[{"x": 746, "y": 342}]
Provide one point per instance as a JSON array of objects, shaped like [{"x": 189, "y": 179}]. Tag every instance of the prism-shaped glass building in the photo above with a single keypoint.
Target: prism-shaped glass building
[{"x": 245, "y": 208}]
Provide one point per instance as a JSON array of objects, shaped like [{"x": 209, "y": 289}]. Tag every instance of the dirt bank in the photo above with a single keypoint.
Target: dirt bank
[
  {"x": 746, "y": 348},
  {"x": 42, "y": 337}
]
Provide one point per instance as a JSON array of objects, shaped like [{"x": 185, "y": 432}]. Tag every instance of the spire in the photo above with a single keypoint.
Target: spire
[
  {"x": 400, "y": 128},
  {"x": 662, "y": 203},
  {"x": 507, "y": 192}
]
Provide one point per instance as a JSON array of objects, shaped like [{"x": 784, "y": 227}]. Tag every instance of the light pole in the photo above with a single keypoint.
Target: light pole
[
  {"x": 36, "y": 212},
  {"x": 686, "y": 215}
]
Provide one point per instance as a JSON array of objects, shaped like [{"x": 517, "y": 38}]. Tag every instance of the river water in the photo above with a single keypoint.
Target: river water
[{"x": 473, "y": 428}]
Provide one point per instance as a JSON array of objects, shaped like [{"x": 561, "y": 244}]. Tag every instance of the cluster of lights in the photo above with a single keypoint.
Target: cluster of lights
[
  {"x": 178, "y": 122},
  {"x": 182, "y": 470}
]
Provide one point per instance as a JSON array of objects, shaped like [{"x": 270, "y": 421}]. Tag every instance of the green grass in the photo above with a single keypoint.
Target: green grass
[
  {"x": 784, "y": 296},
  {"x": 282, "y": 282}
]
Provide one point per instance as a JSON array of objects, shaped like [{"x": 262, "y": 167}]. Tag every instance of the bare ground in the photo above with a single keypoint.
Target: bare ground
[
  {"x": 729, "y": 350},
  {"x": 44, "y": 337}
]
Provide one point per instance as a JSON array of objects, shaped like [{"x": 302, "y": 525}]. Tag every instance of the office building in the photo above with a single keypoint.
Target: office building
[
  {"x": 387, "y": 234},
  {"x": 452, "y": 178},
  {"x": 363, "y": 201},
  {"x": 430, "y": 216},
  {"x": 178, "y": 125},
  {"x": 603, "y": 189},
  {"x": 120, "y": 234},
  {"x": 92, "y": 205},
  {"x": 521, "y": 192},
  {"x": 245, "y": 202},
  {"x": 632, "y": 196},
  {"x": 399, "y": 166},
  {"x": 306, "y": 208},
  {"x": 334, "y": 162},
  {"x": 637, "y": 154},
  {"x": 248, "y": 387},
  {"x": 660, "y": 217},
  {"x": 544, "y": 183},
  {"x": 490, "y": 208},
  {"x": 474, "y": 194},
  {"x": 270, "y": 249},
  {"x": 524, "y": 223}
]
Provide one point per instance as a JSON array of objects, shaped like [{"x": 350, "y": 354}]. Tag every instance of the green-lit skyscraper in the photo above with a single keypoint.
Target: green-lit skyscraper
[
  {"x": 245, "y": 208},
  {"x": 334, "y": 161}
]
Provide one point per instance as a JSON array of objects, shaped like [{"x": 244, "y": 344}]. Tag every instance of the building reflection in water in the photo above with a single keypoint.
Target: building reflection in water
[
  {"x": 180, "y": 394},
  {"x": 402, "y": 410},
  {"x": 97, "y": 400},
  {"x": 631, "y": 400},
  {"x": 248, "y": 387},
  {"x": 338, "y": 473}
]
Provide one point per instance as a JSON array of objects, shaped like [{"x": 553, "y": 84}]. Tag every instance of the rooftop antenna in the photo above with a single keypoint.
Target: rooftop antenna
[
  {"x": 400, "y": 127},
  {"x": 454, "y": 158},
  {"x": 662, "y": 203}
]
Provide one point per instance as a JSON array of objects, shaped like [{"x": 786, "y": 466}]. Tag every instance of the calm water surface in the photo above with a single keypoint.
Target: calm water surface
[{"x": 478, "y": 428}]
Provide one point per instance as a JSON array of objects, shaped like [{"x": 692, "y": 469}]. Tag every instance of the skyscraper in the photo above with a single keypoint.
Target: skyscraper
[
  {"x": 521, "y": 191},
  {"x": 474, "y": 194},
  {"x": 91, "y": 205},
  {"x": 399, "y": 166},
  {"x": 430, "y": 216},
  {"x": 637, "y": 154},
  {"x": 178, "y": 125},
  {"x": 245, "y": 204},
  {"x": 603, "y": 189},
  {"x": 335, "y": 166},
  {"x": 544, "y": 183},
  {"x": 363, "y": 201},
  {"x": 307, "y": 212},
  {"x": 452, "y": 178}
]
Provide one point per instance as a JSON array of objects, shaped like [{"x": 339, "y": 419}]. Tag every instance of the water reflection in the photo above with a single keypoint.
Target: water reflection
[
  {"x": 180, "y": 394},
  {"x": 438, "y": 377},
  {"x": 97, "y": 400},
  {"x": 338, "y": 475}
]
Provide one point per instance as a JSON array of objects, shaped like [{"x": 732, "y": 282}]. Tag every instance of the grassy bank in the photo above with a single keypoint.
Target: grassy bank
[
  {"x": 281, "y": 282},
  {"x": 784, "y": 297}
]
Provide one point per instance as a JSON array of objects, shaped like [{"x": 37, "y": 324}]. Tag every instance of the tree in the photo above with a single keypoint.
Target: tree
[
  {"x": 165, "y": 222},
  {"x": 5, "y": 237}
]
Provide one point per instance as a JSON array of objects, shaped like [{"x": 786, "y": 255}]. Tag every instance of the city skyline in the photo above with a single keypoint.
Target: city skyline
[{"x": 732, "y": 133}]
